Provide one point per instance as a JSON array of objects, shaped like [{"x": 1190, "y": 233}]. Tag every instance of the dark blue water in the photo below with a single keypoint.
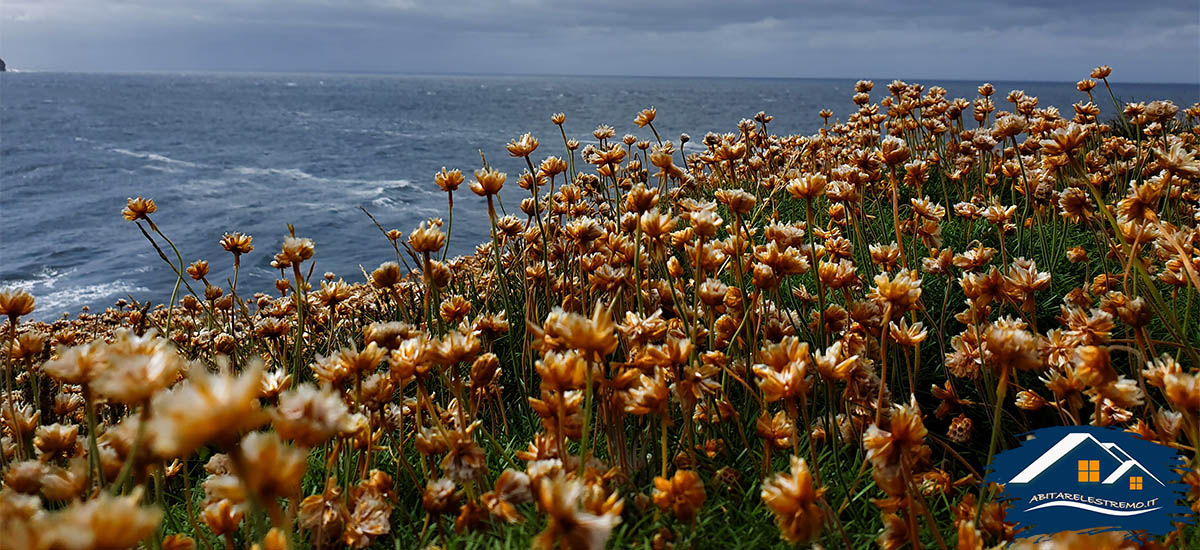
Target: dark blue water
[{"x": 253, "y": 152}]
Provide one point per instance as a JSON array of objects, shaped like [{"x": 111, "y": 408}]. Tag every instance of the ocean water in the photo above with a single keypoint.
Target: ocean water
[{"x": 254, "y": 152}]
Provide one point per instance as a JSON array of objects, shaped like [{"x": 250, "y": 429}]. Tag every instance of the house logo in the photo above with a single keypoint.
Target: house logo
[{"x": 1090, "y": 478}]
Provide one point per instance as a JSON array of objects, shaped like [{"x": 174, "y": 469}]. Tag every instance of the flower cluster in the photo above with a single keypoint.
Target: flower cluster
[{"x": 853, "y": 321}]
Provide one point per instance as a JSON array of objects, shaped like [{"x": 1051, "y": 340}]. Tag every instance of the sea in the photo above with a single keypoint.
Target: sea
[{"x": 253, "y": 153}]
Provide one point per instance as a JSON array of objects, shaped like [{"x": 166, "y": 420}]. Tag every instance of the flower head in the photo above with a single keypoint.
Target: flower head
[
  {"x": 448, "y": 180},
  {"x": 311, "y": 416},
  {"x": 237, "y": 243},
  {"x": 645, "y": 116},
  {"x": 682, "y": 493},
  {"x": 104, "y": 522},
  {"x": 229, "y": 402},
  {"x": 139, "y": 209},
  {"x": 297, "y": 250},
  {"x": 15, "y": 303},
  {"x": 136, "y": 367},
  {"x": 522, "y": 146},
  {"x": 488, "y": 182},
  {"x": 562, "y": 498},
  {"x": 794, "y": 501}
]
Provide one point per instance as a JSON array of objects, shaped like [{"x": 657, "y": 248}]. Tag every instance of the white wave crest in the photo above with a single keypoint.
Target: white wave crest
[
  {"x": 45, "y": 277},
  {"x": 75, "y": 297},
  {"x": 298, "y": 174},
  {"x": 294, "y": 173},
  {"x": 52, "y": 299},
  {"x": 153, "y": 157}
]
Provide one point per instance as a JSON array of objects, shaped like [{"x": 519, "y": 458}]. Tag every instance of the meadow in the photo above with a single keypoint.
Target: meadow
[{"x": 753, "y": 341}]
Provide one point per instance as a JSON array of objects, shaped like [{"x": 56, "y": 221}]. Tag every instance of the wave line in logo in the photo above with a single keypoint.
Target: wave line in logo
[{"x": 1090, "y": 508}]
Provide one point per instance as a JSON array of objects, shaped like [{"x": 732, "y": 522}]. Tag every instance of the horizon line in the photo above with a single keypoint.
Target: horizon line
[{"x": 356, "y": 72}]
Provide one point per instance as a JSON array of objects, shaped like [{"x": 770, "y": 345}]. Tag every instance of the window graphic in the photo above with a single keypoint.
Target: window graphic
[
  {"x": 1135, "y": 483},
  {"x": 1089, "y": 471}
]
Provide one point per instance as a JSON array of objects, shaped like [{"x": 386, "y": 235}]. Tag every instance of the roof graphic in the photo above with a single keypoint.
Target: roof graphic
[
  {"x": 1125, "y": 467},
  {"x": 1067, "y": 444},
  {"x": 1113, "y": 448}
]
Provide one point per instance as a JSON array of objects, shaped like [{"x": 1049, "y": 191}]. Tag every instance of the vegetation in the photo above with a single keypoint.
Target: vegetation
[{"x": 750, "y": 341}]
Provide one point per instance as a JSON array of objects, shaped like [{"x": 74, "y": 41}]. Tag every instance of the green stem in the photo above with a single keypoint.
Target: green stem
[
  {"x": 1001, "y": 392},
  {"x": 127, "y": 468},
  {"x": 449, "y": 224},
  {"x": 301, "y": 305},
  {"x": 93, "y": 448},
  {"x": 10, "y": 396}
]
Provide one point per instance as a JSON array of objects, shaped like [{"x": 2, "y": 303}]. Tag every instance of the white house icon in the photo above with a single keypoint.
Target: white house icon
[{"x": 1069, "y": 443}]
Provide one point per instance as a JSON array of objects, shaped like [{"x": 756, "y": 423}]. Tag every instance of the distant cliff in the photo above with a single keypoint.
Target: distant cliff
[{"x": 2, "y": 68}]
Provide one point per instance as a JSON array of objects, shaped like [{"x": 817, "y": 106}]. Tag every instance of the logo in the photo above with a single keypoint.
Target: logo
[{"x": 1089, "y": 478}]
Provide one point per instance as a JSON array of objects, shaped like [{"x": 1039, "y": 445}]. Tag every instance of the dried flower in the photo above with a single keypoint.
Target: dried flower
[
  {"x": 795, "y": 502},
  {"x": 488, "y": 182},
  {"x": 139, "y": 209},
  {"x": 103, "y": 522},
  {"x": 237, "y": 243},
  {"x": 682, "y": 493},
  {"x": 15, "y": 303},
  {"x": 562, "y": 499},
  {"x": 136, "y": 367},
  {"x": 230, "y": 403}
]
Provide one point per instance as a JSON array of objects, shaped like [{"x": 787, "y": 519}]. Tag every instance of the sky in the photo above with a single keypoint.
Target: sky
[{"x": 997, "y": 39}]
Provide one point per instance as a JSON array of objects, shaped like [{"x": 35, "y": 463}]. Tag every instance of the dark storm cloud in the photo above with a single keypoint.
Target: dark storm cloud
[{"x": 1012, "y": 39}]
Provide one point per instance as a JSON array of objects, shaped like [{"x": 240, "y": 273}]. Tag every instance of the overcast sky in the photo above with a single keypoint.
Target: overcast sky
[{"x": 1155, "y": 41}]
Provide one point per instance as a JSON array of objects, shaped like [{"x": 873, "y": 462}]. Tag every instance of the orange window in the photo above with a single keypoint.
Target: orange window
[
  {"x": 1089, "y": 471},
  {"x": 1135, "y": 483}
]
